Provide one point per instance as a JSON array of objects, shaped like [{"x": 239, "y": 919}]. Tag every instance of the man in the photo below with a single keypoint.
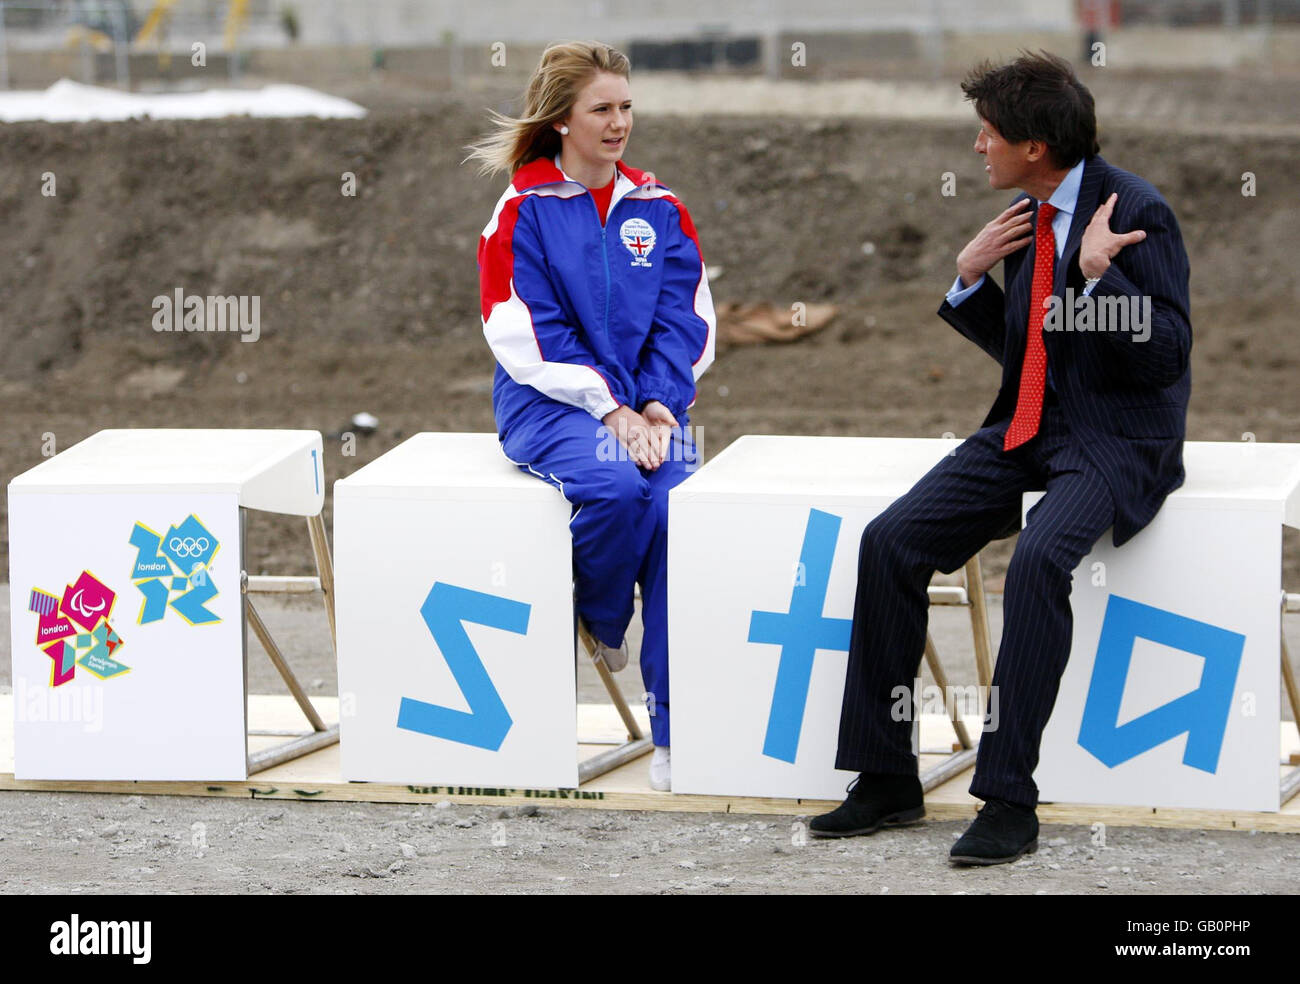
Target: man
[{"x": 1093, "y": 413}]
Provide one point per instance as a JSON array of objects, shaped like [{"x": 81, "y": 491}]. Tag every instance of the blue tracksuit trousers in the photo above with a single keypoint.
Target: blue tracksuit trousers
[{"x": 619, "y": 525}]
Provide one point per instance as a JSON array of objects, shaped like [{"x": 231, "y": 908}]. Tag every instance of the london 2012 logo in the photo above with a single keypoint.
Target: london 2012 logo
[
  {"x": 638, "y": 236},
  {"x": 172, "y": 570},
  {"x": 73, "y": 629}
]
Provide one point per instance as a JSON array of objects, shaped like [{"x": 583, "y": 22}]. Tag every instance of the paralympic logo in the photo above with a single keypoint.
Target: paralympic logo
[
  {"x": 73, "y": 630},
  {"x": 81, "y": 607},
  {"x": 177, "y": 563}
]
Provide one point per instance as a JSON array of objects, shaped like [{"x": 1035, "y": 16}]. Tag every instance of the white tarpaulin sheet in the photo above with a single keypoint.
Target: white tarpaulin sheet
[{"x": 68, "y": 101}]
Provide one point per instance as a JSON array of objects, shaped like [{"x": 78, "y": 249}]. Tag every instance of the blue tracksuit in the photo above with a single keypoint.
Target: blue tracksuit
[{"x": 582, "y": 319}]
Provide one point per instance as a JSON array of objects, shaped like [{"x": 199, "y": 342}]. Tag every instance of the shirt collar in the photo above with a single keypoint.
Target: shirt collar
[
  {"x": 622, "y": 183},
  {"x": 556, "y": 160},
  {"x": 1066, "y": 196},
  {"x": 619, "y": 176}
]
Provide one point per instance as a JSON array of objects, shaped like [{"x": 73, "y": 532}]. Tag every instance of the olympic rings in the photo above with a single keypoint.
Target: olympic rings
[{"x": 190, "y": 546}]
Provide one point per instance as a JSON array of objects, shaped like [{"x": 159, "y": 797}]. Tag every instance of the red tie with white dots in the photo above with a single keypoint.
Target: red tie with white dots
[{"x": 1033, "y": 372}]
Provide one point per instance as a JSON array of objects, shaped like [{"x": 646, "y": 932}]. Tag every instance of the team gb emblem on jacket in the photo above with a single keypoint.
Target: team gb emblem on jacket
[{"x": 638, "y": 236}]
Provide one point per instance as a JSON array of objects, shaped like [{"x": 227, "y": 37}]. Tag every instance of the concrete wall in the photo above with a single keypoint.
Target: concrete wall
[{"x": 409, "y": 22}]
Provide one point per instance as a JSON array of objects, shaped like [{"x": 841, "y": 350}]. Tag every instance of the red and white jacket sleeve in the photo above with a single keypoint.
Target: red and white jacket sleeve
[{"x": 524, "y": 322}]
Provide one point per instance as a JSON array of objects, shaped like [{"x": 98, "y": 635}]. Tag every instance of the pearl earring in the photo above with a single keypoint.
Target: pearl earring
[{"x": 564, "y": 131}]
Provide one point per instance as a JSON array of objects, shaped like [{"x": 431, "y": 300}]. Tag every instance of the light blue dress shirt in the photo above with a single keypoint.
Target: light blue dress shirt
[{"x": 1066, "y": 199}]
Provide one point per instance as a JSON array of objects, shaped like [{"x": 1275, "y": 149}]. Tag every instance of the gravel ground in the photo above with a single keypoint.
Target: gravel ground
[{"x": 70, "y": 843}]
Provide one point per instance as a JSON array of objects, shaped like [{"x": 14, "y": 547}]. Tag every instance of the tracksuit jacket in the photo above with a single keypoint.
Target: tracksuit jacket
[{"x": 589, "y": 315}]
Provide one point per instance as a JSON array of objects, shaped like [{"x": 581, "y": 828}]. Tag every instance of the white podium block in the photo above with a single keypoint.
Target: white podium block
[
  {"x": 763, "y": 550},
  {"x": 126, "y": 614},
  {"x": 1170, "y": 697},
  {"x": 454, "y": 608}
]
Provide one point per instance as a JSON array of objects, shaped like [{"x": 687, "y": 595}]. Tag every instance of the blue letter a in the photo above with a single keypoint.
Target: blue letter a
[{"x": 1201, "y": 714}]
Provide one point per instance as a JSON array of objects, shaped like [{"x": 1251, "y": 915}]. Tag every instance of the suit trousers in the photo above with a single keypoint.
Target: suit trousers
[
  {"x": 969, "y": 498},
  {"x": 619, "y": 523}
]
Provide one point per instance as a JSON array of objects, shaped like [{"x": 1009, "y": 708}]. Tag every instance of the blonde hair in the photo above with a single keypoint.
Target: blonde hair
[{"x": 553, "y": 89}]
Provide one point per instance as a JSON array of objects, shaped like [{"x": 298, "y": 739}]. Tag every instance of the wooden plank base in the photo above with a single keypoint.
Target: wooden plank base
[{"x": 317, "y": 777}]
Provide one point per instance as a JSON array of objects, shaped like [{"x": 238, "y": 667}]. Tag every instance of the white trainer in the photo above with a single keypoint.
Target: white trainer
[
  {"x": 614, "y": 659},
  {"x": 661, "y": 769}
]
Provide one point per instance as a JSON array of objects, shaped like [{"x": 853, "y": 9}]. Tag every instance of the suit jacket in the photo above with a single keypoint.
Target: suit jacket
[{"x": 1124, "y": 399}]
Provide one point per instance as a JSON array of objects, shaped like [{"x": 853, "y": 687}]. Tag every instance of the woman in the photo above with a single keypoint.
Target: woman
[{"x": 596, "y": 305}]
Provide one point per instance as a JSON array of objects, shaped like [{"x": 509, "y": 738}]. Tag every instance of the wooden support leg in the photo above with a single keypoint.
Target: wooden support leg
[
  {"x": 1288, "y": 677},
  {"x": 979, "y": 623},
  {"x": 321, "y": 735},
  {"x": 607, "y": 678},
  {"x": 940, "y": 678},
  {"x": 277, "y": 658},
  {"x": 959, "y": 762},
  {"x": 320, "y": 548},
  {"x": 1291, "y": 784},
  {"x": 636, "y": 745}
]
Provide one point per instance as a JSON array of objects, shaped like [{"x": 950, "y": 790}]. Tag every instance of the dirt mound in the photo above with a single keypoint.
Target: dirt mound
[
  {"x": 821, "y": 211},
  {"x": 370, "y": 301}
]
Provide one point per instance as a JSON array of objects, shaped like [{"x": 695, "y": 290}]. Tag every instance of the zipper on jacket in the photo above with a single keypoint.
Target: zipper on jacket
[
  {"x": 604, "y": 247},
  {"x": 604, "y": 255}
]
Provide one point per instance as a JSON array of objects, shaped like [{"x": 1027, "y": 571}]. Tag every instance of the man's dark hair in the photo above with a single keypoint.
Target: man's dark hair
[{"x": 1037, "y": 97}]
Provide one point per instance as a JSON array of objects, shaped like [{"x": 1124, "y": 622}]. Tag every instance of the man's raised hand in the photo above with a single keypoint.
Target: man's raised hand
[
  {"x": 1100, "y": 245},
  {"x": 1007, "y": 233}
]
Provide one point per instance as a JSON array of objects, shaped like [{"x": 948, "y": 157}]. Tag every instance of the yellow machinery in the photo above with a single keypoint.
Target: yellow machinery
[
  {"x": 153, "y": 23},
  {"x": 79, "y": 34},
  {"x": 162, "y": 9}
]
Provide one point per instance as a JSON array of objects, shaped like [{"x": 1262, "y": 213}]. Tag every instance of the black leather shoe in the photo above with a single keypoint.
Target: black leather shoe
[
  {"x": 1002, "y": 832},
  {"x": 874, "y": 801}
]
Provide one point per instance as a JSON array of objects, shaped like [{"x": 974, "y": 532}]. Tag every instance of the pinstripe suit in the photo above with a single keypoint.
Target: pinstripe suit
[{"x": 1108, "y": 451}]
